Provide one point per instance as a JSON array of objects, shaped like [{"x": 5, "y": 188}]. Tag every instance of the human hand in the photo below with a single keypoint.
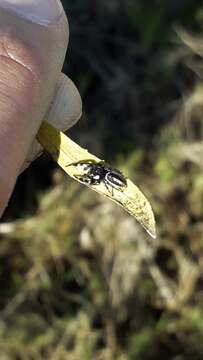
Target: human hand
[{"x": 33, "y": 42}]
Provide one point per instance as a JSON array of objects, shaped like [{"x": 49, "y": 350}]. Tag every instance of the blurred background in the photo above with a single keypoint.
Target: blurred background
[{"x": 79, "y": 278}]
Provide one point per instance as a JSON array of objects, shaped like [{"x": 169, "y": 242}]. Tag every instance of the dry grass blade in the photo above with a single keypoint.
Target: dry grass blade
[{"x": 68, "y": 154}]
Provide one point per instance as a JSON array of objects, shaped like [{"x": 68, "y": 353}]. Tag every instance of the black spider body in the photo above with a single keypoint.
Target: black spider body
[{"x": 96, "y": 173}]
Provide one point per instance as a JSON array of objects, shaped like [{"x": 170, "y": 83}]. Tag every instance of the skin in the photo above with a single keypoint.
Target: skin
[{"x": 31, "y": 58}]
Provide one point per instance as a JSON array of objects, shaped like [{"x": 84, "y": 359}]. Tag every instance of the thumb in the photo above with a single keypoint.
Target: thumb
[{"x": 33, "y": 42}]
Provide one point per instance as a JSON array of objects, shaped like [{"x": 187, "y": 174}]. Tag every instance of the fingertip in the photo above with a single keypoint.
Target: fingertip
[
  {"x": 40, "y": 12},
  {"x": 66, "y": 108}
]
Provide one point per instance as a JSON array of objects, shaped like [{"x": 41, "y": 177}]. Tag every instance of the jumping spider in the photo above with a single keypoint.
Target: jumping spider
[{"x": 96, "y": 173}]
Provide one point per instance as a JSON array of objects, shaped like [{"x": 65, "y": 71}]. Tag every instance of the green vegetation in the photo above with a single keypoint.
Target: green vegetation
[{"x": 79, "y": 278}]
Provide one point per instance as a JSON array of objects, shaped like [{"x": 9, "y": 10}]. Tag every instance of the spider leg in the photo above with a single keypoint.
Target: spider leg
[
  {"x": 85, "y": 161},
  {"x": 83, "y": 178}
]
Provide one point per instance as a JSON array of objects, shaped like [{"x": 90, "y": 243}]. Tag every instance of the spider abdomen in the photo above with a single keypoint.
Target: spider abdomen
[{"x": 115, "y": 179}]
